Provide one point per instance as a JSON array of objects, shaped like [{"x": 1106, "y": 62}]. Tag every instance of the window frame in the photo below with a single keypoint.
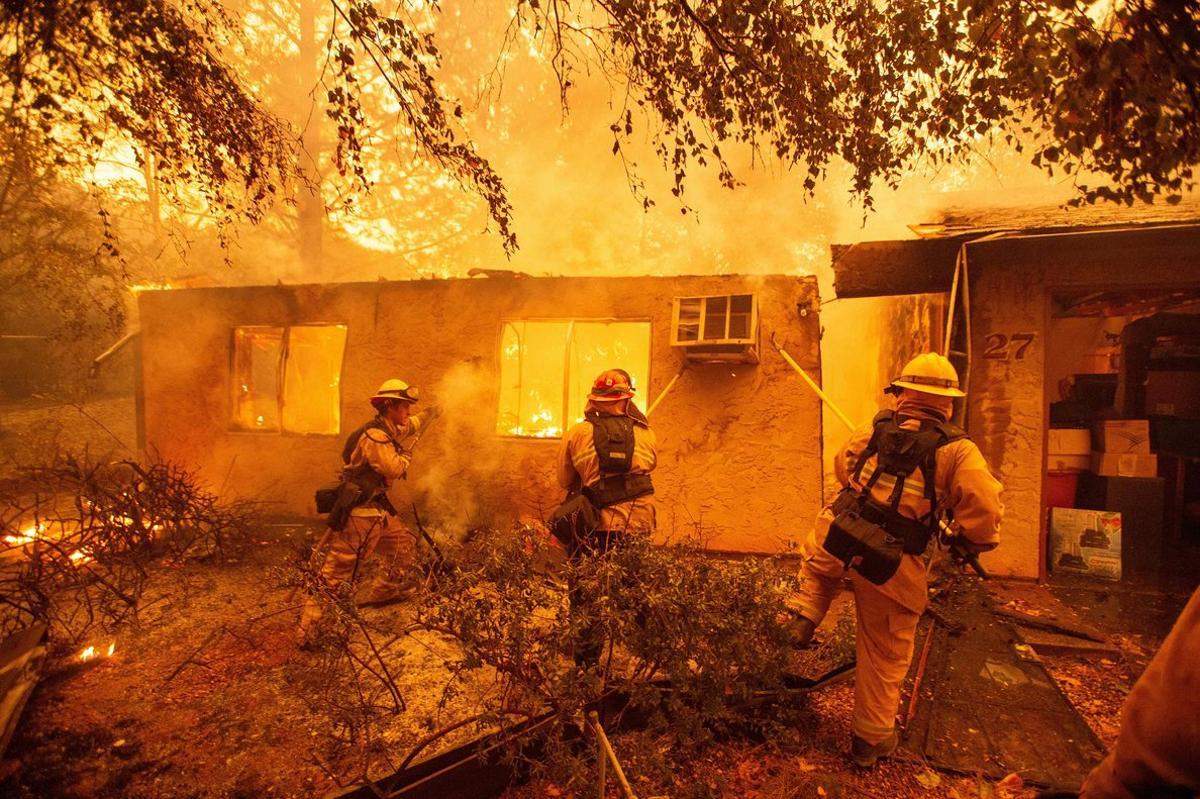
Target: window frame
[
  {"x": 281, "y": 371},
  {"x": 570, "y": 321},
  {"x": 700, "y": 340}
]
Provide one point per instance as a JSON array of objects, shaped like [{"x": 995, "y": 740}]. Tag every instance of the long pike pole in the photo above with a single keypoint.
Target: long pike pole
[
  {"x": 667, "y": 389},
  {"x": 970, "y": 558},
  {"x": 813, "y": 385}
]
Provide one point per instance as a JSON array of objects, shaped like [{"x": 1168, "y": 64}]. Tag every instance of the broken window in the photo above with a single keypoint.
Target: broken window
[
  {"x": 287, "y": 379},
  {"x": 547, "y": 369}
]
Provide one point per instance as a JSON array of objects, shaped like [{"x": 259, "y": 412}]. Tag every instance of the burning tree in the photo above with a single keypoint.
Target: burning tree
[
  {"x": 1104, "y": 89},
  {"x": 1099, "y": 92},
  {"x": 154, "y": 75}
]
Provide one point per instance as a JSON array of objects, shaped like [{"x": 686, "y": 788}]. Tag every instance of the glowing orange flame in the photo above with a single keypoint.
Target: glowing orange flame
[
  {"x": 540, "y": 425},
  {"x": 138, "y": 288},
  {"x": 91, "y": 653},
  {"x": 27, "y": 536}
]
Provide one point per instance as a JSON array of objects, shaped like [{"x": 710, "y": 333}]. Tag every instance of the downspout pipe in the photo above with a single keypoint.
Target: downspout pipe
[{"x": 99, "y": 360}]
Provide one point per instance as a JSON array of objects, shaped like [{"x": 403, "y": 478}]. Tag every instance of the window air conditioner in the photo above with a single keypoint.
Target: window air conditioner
[{"x": 716, "y": 329}]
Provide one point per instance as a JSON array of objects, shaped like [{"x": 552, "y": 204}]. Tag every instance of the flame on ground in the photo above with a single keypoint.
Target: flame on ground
[
  {"x": 91, "y": 653},
  {"x": 40, "y": 532},
  {"x": 26, "y": 536}
]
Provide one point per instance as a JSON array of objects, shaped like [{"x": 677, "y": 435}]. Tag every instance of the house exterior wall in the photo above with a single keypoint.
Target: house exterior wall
[
  {"x": 1006, "y": 413},
  {"x": 1012, "y": 281},
  {"x": 739, "y": 445}
]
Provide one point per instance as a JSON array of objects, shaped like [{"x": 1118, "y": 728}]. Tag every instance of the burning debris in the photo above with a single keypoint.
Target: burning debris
[
  {"x": 91, "y": 653},
  {"x": 81, "y": 534}
]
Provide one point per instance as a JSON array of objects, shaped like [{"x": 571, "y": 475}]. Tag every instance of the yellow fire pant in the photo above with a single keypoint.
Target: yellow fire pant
[
  {"x": 363, "y": 536},
  {"x": 886, "y": 629}
]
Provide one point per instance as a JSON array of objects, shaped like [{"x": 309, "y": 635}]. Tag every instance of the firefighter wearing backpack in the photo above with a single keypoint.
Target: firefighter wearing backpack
[
  {"x": 607, "y": 458},
  {"x": 900, "y": 475},
  {"x": 363, "y": 521}
]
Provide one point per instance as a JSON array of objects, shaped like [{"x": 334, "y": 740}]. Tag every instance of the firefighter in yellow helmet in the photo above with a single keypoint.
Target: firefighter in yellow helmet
[
  {"x": 607, "y": 459},
  {"x": 363, "y": 521},
  {"x": 901, "y": 474}
]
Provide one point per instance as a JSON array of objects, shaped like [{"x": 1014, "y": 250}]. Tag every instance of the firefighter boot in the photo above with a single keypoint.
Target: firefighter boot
[
  {"x": 866, "y": 755},
  {"x": 387, "y": 592},
  {"x": 800, "y": 630}
]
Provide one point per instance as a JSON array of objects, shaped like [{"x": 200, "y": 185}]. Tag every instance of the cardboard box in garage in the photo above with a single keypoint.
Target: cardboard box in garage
[
  {"x": 1125, "y": 464},
  {"x": 1085, "y": 542},
  {"x": 1122, "y": 435},
  {"x": 1068, "y": 463},
  {"x": 1068, "y": 441}
]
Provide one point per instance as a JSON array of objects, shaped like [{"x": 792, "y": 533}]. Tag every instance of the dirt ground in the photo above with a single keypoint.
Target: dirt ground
[
  {"x": 210, "y": 697},
  {"x": 33, "y": 427}
]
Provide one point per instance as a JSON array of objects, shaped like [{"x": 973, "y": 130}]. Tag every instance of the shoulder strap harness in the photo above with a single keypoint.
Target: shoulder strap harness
[
  {"x": 353, "y": 438},
  {"x": 372, "y": 484},
  {"x": 901, "y": 452}
]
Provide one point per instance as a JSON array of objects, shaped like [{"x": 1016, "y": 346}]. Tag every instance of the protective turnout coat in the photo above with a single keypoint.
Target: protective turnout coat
[
  {"x": 1158, "y": 750},
  {"x": 964, "y": 485}
]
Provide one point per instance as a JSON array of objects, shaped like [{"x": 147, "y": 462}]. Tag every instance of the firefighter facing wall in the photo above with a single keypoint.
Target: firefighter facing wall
[{"x": 258, "y": 385}]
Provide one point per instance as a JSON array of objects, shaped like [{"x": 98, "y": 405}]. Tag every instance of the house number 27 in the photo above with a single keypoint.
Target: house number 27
[{"x": 1010, "y": 346}]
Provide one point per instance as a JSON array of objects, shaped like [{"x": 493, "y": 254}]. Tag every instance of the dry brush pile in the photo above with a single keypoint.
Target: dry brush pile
[
  {"x": 696, "y": 644},
  {"x": 80, "y": 536}
]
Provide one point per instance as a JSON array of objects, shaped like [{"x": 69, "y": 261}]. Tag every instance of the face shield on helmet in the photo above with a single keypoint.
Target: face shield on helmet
[{"x": 395, "y": 389}]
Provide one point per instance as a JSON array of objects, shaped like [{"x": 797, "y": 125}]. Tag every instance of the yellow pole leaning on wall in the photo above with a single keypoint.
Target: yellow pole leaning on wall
[
  {"x": 813, "y": 385},
  {"x": 972, "y": 559},
  {"x": 666, "y": 390}
]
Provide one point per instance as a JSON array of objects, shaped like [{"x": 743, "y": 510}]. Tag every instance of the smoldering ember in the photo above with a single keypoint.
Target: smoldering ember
[{"x": 540, "y": 399}]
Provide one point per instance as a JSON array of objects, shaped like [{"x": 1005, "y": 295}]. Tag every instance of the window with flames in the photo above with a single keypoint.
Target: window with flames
[
  {"x": 547, "y": 369},
  {"x": 288, "y": 379}
]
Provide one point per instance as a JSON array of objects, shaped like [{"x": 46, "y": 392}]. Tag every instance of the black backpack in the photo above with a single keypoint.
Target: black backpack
[{"x": 872, "y": 538}]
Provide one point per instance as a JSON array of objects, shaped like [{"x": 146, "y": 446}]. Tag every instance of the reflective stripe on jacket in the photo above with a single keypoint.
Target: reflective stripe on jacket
[
  {"x": 964, "y": 485},
  {"x": 579, "y": 465}
]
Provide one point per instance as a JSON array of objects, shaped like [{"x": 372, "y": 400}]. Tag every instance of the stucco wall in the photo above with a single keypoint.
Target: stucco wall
[
  {"x": 1006, "y": 413},
  {"x": 739, "y": 445}
]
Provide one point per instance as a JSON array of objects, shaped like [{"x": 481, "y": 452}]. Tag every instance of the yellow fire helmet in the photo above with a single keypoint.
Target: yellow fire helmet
[
  {"x": 396, "y": 389},
  {"x": 929, "y": 373}
]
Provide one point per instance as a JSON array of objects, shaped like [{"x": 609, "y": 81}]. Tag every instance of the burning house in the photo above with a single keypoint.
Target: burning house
[
  {"x": 1059, "y": 327},
  {"x": 257, "y": 386}
]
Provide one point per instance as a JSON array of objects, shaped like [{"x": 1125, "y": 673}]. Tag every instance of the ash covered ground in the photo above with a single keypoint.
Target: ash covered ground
[{"x": 210, "y": 697}]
